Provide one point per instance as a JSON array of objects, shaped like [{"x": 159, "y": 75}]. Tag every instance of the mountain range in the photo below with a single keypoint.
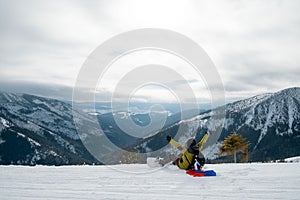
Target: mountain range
[
  {"x": 37, "y": 130},
  {"x": 270, "y": 122}
]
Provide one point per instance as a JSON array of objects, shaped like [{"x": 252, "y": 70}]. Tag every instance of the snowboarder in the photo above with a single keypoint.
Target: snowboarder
[{"x": 191, "y": 156}]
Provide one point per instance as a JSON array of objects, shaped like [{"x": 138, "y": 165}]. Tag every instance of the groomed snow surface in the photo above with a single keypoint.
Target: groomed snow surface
[{"x": 136, "y": 181}]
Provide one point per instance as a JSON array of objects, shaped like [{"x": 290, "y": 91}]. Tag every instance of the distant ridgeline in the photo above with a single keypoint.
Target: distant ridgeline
[
  {"x": 270, "y": 122},
  {"x": 36, "y": 130}
]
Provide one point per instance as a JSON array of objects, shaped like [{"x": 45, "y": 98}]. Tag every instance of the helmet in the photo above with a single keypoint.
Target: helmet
[{"x": 190, "y": 142}]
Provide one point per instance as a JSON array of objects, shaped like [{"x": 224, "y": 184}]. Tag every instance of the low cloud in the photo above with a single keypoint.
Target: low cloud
[{"x": 254, "y": 44}]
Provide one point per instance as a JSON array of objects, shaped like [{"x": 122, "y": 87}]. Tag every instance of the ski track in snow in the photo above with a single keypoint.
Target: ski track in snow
[{"x": 233, "y": 181}]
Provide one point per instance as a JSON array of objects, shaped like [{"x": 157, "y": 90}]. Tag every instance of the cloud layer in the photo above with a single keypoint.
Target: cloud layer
[{"x": 254, "y": 44}]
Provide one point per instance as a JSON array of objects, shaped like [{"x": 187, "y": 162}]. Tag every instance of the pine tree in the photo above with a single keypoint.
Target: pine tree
[{"x": 233, "y": 144}]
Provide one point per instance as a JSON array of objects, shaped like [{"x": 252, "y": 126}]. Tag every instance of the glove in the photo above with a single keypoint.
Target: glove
[{"x": 169, "y": 138}]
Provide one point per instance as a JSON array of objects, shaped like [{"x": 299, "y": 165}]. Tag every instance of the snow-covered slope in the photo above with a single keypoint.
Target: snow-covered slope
[
  {"x": 272, "y": 123},
  {"x": 233, "y": 182},
  {"x": 36, "y": 130}
]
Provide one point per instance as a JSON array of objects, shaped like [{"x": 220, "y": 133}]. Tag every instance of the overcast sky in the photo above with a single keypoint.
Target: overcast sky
[{"x": 255, "y": 44}]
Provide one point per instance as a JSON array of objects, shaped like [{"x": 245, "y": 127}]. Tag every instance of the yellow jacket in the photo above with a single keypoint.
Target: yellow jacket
[{"x": 186, "y": 159}]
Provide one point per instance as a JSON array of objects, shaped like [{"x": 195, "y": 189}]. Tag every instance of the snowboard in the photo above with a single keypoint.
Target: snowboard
[
  {"x": 157, "y": 162},
  {"x": 200, "y": 173},
  {"x": 153, "y": 162}
]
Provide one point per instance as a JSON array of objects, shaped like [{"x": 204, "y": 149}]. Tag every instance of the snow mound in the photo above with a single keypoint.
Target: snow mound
[{"x": 293, "y": 159}]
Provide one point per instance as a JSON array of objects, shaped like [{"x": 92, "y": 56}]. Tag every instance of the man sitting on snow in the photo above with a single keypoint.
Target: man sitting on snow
[{"x": 191, "y": 156}]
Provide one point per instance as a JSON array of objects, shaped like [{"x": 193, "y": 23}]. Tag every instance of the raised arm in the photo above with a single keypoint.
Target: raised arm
[
  {"x": 202, "y": 141},
  {"x": 175, "y": 144}
]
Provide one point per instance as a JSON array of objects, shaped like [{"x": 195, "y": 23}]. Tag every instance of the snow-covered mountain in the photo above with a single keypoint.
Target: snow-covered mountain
[
  {"x": 36, "y": 130},
  {"x": 271, "y": 122}
]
